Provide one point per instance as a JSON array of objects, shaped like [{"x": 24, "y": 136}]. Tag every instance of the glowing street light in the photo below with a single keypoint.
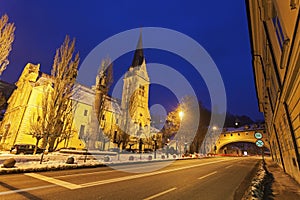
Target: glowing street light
[{"x": 181, "y": 114}]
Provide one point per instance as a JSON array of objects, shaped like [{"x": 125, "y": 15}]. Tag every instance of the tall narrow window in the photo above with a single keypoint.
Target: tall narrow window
[
  {"x": 85, "y": 112},
  {"x": 279, "y": 31},
  {"x": 142, "y": 90},
  {"x": 81, "y": 132}
]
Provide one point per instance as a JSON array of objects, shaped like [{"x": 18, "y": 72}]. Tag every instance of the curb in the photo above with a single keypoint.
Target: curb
[{"x": 64, "y": 166}]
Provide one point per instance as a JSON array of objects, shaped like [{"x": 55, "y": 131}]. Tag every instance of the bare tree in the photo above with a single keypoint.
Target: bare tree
[
  {"x": 39, "y": 121},
  {"x": 104, "y": 79},
  {"x": 2, "y": 100},
  {"x": 65, "y": 130},
  {"x": 7, "y": 37},
  {"x": 183, "y": 128},
  {"x": 64, "y": 73},
  {"x": 36, "y": 131},
  {"x": 172, "y": 124},
  {"x": 128, "y": 125}
]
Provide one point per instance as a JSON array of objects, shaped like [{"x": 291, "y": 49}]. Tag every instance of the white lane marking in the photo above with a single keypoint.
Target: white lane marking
[
  {"x": 160, "y": 194},
  {"x": 81, "y": 174},
  {"x": 144, "y": 175},
  {"x": 103, "y": 172},
  {"x": 207, "y": 175},
  {"x": 25, "y": 190},
  {"x": 61, "y": 183},
  {"x": 228, "y": 166}
]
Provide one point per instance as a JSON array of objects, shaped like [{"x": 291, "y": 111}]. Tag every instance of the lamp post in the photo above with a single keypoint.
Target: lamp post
[
  {"x": 167, "y": 150},
  {"x": 155, "y": 145},
  {"x": 213, "y": 139},
  {"x": 181, "y": 114},
  {"x": 185, "y": 148},
  {"x": 140, "y": 147}
]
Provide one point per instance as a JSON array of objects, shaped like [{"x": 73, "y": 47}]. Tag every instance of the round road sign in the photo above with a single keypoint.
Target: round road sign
[
  {"x": 258, "y": 135},
  {"x": 259, "y": 143}
]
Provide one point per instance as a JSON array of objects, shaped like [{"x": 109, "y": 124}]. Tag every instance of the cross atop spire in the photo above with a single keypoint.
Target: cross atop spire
[{"x": 139, "y": 53}]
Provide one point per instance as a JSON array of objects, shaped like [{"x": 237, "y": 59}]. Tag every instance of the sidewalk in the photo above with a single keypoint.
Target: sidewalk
[
  {"x": 57, "y": 161},
  {"x": 279, "y": 184}
]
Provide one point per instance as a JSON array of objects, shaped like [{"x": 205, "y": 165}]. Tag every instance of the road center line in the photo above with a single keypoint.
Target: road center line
[
  {"x": 207, "y": 175},
  {"x": 228, "y": 166},
  {"x": 25, "y": 190},
  {"x": 160, "y": 194},
  {"x": 54, "y": 181}
]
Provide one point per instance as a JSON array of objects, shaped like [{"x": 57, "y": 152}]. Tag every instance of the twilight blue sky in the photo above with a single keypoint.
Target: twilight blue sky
[{"x": 219, "y": 26}]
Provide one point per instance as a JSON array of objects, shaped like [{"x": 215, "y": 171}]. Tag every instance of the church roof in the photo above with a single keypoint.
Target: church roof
[{"x": 138, "y": 54}]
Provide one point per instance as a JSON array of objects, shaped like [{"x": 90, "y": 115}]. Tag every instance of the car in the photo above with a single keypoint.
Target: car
[{"x": 24, "y": 149}]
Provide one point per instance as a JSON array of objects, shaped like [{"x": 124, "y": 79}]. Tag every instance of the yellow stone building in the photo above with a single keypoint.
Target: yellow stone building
[
  {"x": 86, "y": 123},
  {"x": 131, "y": 115},
  {"x": 26, "y": 101},
  {"x": 23, "y": 107},
  {"x": 275, "y": 40}
]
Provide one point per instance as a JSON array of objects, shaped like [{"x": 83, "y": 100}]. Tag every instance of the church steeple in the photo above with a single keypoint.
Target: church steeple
[{"x": 139, "y": 53}]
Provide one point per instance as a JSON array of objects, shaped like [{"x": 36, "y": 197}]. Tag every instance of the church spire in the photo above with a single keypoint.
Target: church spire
[{"x": 139, "y": 53}]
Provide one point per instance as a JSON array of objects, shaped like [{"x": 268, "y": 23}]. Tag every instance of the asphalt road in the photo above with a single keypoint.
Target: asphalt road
[{"x": 214, "y": 178}]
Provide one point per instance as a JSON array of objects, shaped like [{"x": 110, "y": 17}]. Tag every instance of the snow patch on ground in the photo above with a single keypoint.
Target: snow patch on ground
[
  {"x": 57, "y": 161},
  {"x": 256, "y": 189}
]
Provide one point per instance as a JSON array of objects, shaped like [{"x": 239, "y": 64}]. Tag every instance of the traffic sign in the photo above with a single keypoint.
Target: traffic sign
[
  {"x": 258, "y": 135},
  {"x": 259, "y": 143}
]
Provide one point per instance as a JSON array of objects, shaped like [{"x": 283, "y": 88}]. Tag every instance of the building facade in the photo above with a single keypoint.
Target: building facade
[
  {"x": 98, "y": 119},
  {"x": 23, "y": 107},
  {"x": 96, "y": 134},
  {"x": 275, "y": 40},
  {"x": 134, "y": 105}
]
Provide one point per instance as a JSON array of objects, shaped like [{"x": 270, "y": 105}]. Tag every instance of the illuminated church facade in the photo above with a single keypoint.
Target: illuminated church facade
[{"x": 130, "y": 116}]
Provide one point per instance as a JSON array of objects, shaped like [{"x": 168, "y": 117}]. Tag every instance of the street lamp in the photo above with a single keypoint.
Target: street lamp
[
  {"x": 140, "y": 147},
  {"x": 155, "y": 145},
  {"x": 167, "y": 147},
  {"x": 181, "y": 114},
  {"x": 185, "y": 148},
  {"x": 215, "y": 135}
]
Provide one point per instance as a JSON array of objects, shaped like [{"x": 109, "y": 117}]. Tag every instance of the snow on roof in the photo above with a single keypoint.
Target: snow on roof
[
  {"x": 113, "y": 106},
  {"x": 154, "y": 130},
  {"x": 243, "y": 128}
]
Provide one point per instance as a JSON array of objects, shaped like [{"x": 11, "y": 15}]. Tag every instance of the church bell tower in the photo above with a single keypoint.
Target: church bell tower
[{"x": 135, "y": 96}]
